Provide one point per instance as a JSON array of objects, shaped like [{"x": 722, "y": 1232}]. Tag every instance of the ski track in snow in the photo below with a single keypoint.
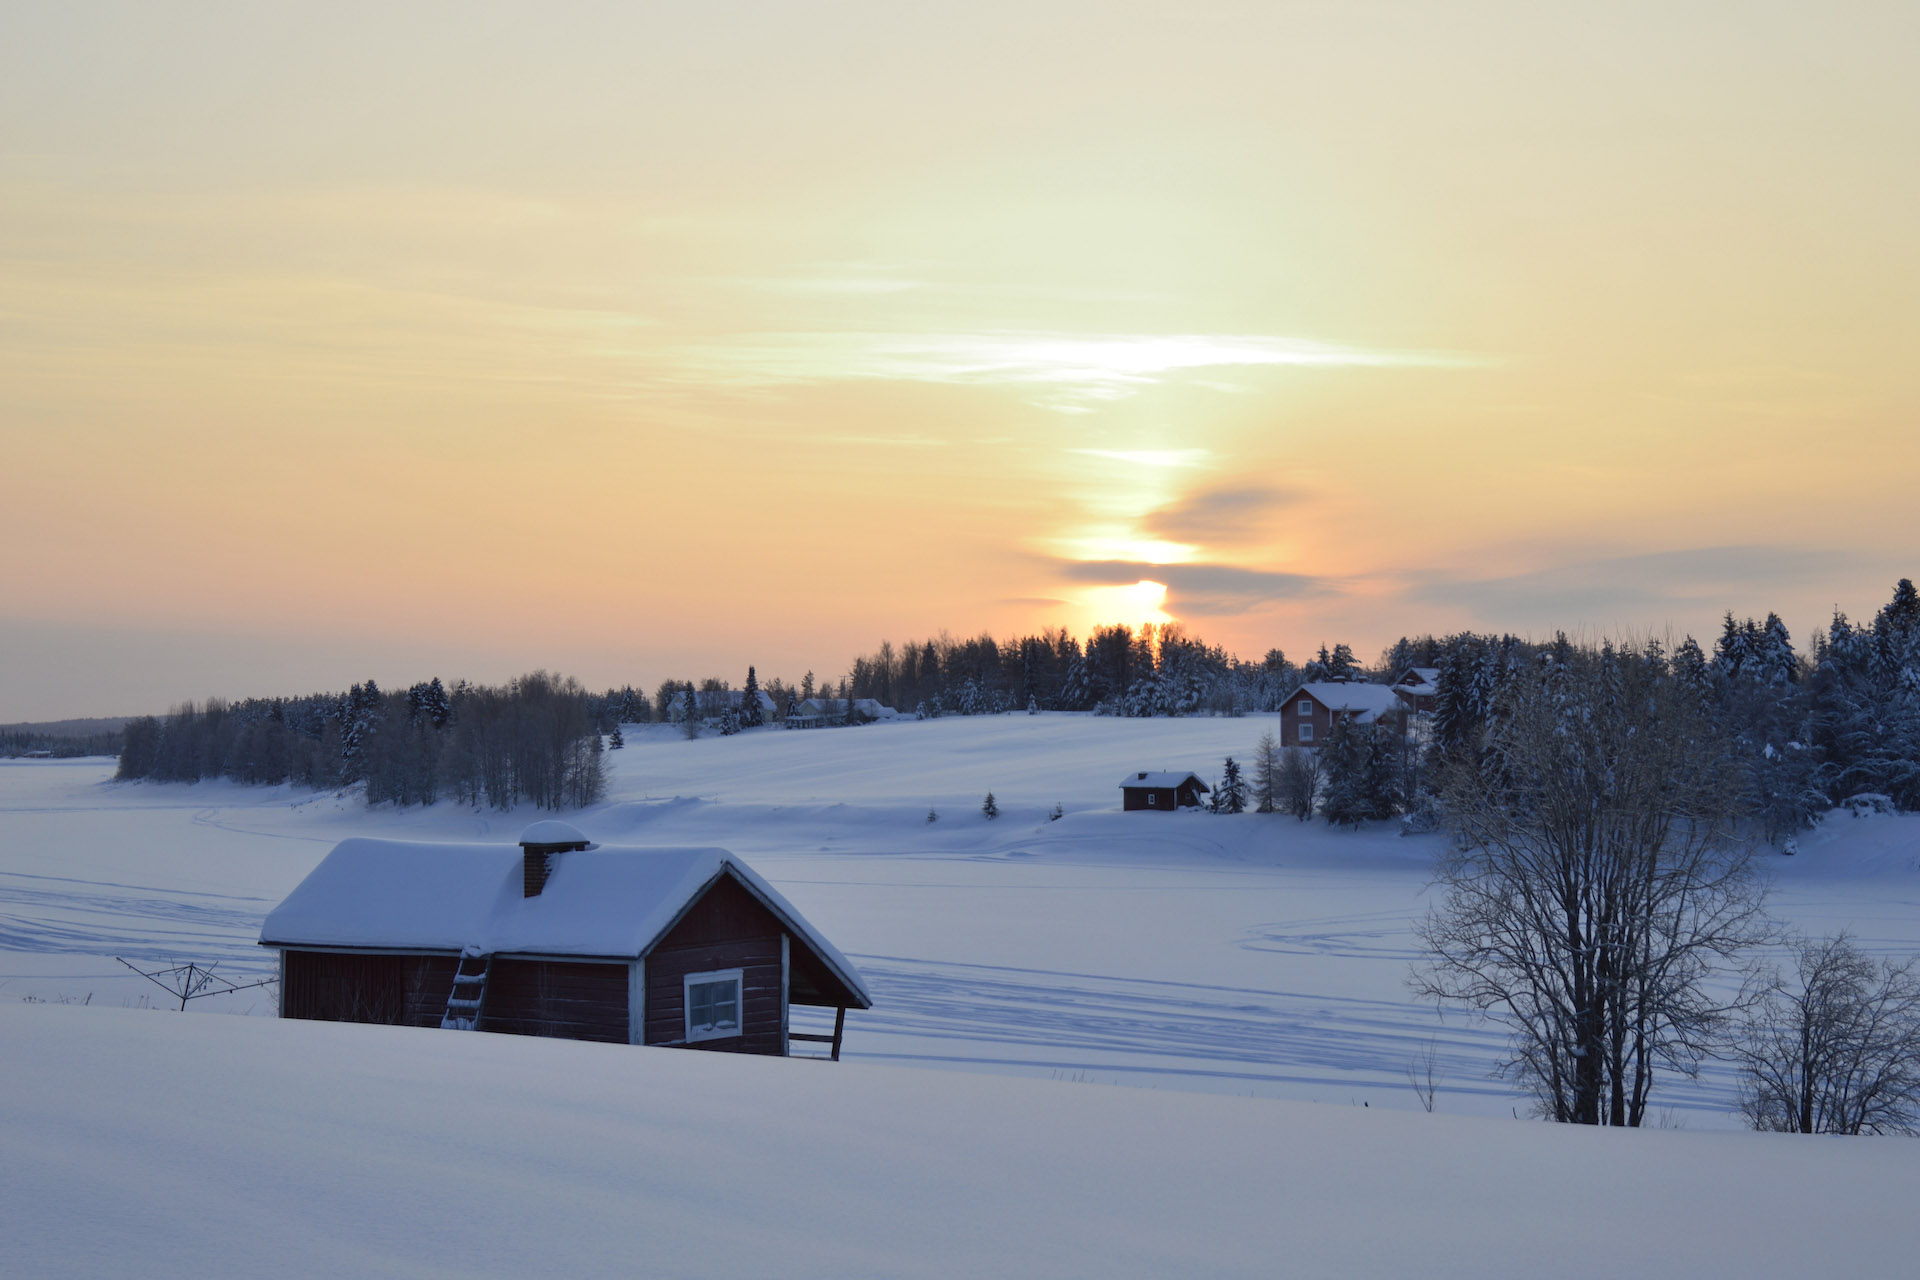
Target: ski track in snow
[
  {"x": 64, "y": 916},
  {"x": 1075, "y": 1020}
]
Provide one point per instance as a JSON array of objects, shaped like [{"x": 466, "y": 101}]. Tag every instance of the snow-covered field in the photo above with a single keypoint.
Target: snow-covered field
[
  {"x": 1246, "y": 955},
  {"x": 1187, "y": 953}
]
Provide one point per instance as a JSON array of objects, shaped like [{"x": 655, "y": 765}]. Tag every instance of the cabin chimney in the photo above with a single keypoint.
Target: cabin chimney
[{"x": 540, "y": 848}]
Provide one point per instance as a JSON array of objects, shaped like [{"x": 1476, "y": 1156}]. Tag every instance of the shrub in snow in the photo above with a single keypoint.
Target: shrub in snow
[
  {"x": 1866, "y": 803},
  {"x": 988, "y": 807},
  {"x": 1422, "y": 815}
]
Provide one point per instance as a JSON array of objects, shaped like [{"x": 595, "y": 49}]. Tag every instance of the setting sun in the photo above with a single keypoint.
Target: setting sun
[{"x": 1132, "y": 606}]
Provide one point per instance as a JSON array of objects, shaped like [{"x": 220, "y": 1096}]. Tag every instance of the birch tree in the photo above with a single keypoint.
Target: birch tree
[{"x": 1595, "y": 888}]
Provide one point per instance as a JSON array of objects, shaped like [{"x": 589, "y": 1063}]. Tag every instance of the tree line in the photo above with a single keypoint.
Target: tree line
[
  {"x": 32, "y": 740},
  {"x": 1119, "y": 670},
  {"x": 533, "y": 740}
]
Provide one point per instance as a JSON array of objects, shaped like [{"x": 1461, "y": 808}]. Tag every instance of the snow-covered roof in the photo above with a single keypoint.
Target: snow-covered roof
[
  {"x": 1416, "y": 676},
  {"x": 1162, "y": 778},
  {"x": 606, "y": 901},
  {"x": 1363, "y": 701},
  {"x": 838, "y": 706}
]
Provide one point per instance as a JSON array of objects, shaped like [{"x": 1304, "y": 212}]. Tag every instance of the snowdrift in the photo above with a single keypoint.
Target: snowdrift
[{"x": 137, "y": 1143}]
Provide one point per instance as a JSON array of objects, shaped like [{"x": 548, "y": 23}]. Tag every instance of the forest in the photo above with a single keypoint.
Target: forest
[{"x": 534, "y": 740}]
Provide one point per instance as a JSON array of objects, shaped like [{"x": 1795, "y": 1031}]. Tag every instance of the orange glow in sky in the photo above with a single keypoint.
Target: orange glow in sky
[
  {"x": 349, "y": 340},
  {"x": 1136, "y": 606}
]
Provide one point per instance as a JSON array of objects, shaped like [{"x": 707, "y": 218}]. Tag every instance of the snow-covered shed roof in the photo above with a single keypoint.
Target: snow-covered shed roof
[
  {"x": 1363, "y": 701},
  {"x": 1162, "y": 778},
  {"x": 606, "y": 901}
]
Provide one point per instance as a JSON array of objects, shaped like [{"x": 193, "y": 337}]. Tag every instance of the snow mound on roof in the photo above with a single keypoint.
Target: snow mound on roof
[{"x": 552, "y": 831}]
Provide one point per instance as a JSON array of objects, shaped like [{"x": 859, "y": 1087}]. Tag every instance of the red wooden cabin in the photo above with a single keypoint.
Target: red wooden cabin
[{"x": 556, "y": 937}]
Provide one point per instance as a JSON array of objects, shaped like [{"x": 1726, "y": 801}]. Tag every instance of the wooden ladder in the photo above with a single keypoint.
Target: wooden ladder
[
  {"x": 839, "y": 1029},
  {"x": 469, "y": 991}
]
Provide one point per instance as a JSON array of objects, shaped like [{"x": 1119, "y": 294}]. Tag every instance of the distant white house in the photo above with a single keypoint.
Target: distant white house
[
  {"x": 815, "y": 713},
  {"x": 1310, "y": 711},
  {"x": 714, "y": 704},
  {"x": 717, "y": 703}
]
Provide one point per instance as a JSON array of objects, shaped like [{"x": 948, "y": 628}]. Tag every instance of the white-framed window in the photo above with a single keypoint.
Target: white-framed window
[
  {"x": 1306, "y": 707},
  {"x": 1153, "y": 800},
  {"x": 1306, "y": 733},
  {"x": 714, "y": 1004}
]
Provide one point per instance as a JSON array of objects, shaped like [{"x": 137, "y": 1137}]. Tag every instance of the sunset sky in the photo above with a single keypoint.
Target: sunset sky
[{"x": 635, "y": 341}]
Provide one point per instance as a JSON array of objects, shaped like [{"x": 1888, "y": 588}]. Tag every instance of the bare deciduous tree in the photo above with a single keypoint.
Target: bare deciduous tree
[
  {"x": 1423, "y": 1073},
  {"x": 1594, "y": 886},
  {"x": 1266, "y": 774},
  {"x": 1837, "y": 1050},
  {"x": 1301, "y": 778}
]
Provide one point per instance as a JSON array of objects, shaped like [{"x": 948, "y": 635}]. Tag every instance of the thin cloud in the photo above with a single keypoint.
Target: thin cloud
[
  {"x": 1150, "y": 457},
  {"x": 1078, "y": 369},
  {"x": 1599, "y": 589},
  {"x": 891, "y": 442},
  {"x": 1218, "y": 517},
  {"x": 1213, "y": 589}
]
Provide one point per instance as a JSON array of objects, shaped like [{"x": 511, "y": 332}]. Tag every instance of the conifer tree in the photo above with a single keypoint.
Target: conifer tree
[
  {"x": 1360, "y": 777},
  {"x": 690, "y": 711},
  {"x": 989, "y": 806},
  {"x": 1341, "y": 666},
  {"x": 750, "y": 713},
  {"x": 1231, "y": 795},
  {"x": 1690, "y": 667}
]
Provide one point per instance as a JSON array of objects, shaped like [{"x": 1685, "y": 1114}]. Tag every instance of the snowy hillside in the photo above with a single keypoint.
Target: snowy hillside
[{"x": 1247, "y": 955}]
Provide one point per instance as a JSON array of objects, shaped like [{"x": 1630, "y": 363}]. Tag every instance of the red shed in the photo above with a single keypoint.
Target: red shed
[
  {"x": 556, "y": 937},
  {"x": 1162, "y": 790}
]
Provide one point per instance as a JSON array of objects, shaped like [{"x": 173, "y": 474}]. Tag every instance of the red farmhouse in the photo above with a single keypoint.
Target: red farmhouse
[{"x": 1309, "y": 712}]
